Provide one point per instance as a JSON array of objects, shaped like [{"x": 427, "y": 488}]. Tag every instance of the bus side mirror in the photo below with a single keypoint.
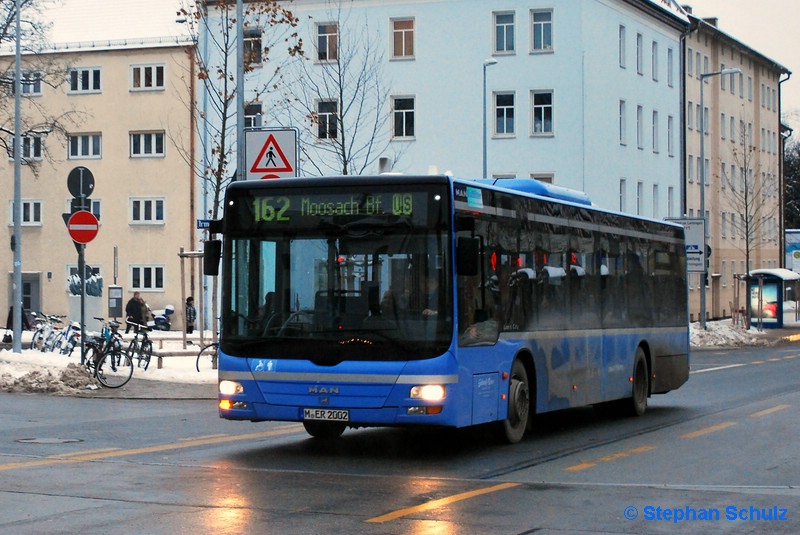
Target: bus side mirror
[
  {"x": 467, "y": 256},
  {"x": 212, "y": 252}
]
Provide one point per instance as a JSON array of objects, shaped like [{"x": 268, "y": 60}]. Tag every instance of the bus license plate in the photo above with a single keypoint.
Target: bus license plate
[{"x": 331, "y": 415}]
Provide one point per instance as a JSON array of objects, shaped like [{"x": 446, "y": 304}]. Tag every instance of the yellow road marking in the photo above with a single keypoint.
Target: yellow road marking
[
  {"x": 609, "y": 458},
  {"x": 74, "y": 453},
  {"x": 95, "y": 455},
  {"x": 706, "y": 430},
  {"x": 434, "y": 504},
  {"x": 776, "y": 408}
]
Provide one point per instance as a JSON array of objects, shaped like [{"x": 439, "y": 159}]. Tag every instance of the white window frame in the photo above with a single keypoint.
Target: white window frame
[
  {"x": 148, "y": 77},
  {"x": 670, "y": 67},
  {"x": 622, "y": 46},
  {"x": 623, "y": 119},
  {"x": 93, "y": 83},
  {"x": 623, "y": 194},
  {"x": 640, "y": 127},
  {"x": 31, "y": 213},
  {"x": 671, "y": 136},
  {"x": 147, "y": 210},
  {"x": 328, "y": 116},
  {"x": 400, "y": 117},
  {"x": 32, "y": 148},
  {"x": 405, "y": 36},
  {"x": 505, "y": 112},
  {"x": 504, "y": 33},
  {"x": 540, "y": 111},
  {"x": 88, "y": 146},
  {"x": 31, "y": 82},
  {"x": 541, "y": 31},
  {"x": 95, "y": 206},
  {"x": 253, "y": 114},
  {"x": 147, "y": 145},
  {"x": 253, "y": 49},
  {"x": 654, "y": 60},
  {"x": 656, "y": 148},
  {"x": 327, "y": 51},
  {"x": 639, "y": 54},
  {"x": 154, "y": 272}
]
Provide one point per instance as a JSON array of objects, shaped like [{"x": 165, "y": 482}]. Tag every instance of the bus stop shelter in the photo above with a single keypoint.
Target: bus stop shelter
[{"x": 771, "y": 294}]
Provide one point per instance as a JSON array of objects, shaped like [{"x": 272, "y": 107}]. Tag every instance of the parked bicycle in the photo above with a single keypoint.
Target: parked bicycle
[
  {"x": 45, "y": 330},
  {"x": 66, "y": 339},
  {"x": 141, "y": 347},
  {"x": 207, "y": 356},
  {"x": 104, "y": 357}
]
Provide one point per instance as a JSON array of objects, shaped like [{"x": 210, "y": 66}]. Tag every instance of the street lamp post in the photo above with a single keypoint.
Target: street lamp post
[
  {"x": 702, "y": 178},
  {"x": 487, "y": 63}
]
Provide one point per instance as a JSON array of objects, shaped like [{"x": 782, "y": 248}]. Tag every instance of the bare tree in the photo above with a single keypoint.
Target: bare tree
[
  {"x": 39, "y": 70},
  {"x": 342, "y": 94},
  {"x": 212, "y": 24},
  {"x": 751, "y": 194}
]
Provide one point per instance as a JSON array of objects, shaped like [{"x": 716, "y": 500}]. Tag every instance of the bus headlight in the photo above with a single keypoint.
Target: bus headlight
[
  {"x": 229, "y": 388},
  {"x": 428, "y": 392}
]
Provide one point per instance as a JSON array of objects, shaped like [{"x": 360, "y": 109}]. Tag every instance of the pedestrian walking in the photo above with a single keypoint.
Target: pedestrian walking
[
  {"x": 191, "y": 315},
  {"x": 135, "y": 312}
]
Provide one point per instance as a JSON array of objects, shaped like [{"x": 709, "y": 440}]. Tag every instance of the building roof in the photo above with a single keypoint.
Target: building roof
[{"x": 78, "y": 25}]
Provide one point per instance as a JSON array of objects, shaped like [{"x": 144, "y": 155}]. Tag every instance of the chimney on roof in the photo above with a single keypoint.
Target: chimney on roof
[
  {"x": 687, "y": 8},
  {"x": 711, "y": 20}
]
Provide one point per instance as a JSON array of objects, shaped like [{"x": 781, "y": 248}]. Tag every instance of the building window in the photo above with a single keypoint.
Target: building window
[
  {"x": 542, "y": 111},
  {"x": 252, "y": 115},
  {"x": 640, "y": 127},
  {"x": 503, "y": 33},
  {"x": 542, "y": 30},
  {"x": 403, "y": 112},
  {"x": 403, "y": 38},
  {"x": 147, "y": 278},
  {"x": 670, "y": 201},
  {"x": 690, "y": 62},
  {"x": 622, "y": 44},
  {"x": 32, "y": 148},
  {"x": 147, "y": 77},
  {"x": 31, "y": 83},
  {"x": 654, "y": 60},
  {"x": 31, "y": 213},
  {"x": 639, "y": 197},
  {"x": 504, "y": 114},
  {"x": 655, "y": 132},
  {"x": 147, "y": 144},
  {"x": 690, "y": 169},
  {"x": 546, "y": 178},
  {"x": 84, "y": 80},
  {"x": 690, "y": 115},
  {"x": 670, "y": 135},
  {"x": 84, "y": 146},
  {"x": 327, "y": 42},
  {"x": 327, "y": 119},
  {"x": 252, "y": 46},
  {"x": 94, "y": 206},
  {"x": 623, "y": 194},
  {"x": 623, "y": 135},
  {"x": 639, "y": 53},
  {"x": 670, "y": 67},
  {"x": 147, "y": 211},
  {"x": 655, "y": 201}
]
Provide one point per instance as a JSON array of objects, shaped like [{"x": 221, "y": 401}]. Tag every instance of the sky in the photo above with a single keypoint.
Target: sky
[{"x": 770, "y": 27}]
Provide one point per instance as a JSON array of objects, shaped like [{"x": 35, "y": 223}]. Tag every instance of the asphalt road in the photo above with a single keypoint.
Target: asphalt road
[{"x": 719, "y": 455}]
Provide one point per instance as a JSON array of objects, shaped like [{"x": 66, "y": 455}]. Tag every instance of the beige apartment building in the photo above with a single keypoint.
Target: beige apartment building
[
  {"x": 741, "y": 159},
  {"x": 129, "y": 123}
]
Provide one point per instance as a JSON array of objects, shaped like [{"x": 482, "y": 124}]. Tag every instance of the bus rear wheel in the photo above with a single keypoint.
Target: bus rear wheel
[
  {"x": 324, "y": 430},
  {"x": 637, "y": 403},
  {"x": 519, "y": 404}
]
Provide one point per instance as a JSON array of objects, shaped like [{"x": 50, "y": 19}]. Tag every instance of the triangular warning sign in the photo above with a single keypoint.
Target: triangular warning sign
[{"x": 271, "y": 159}]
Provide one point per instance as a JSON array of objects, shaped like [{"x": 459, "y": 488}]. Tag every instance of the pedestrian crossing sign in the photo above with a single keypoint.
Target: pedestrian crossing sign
[{"x": 271, "y": 153}]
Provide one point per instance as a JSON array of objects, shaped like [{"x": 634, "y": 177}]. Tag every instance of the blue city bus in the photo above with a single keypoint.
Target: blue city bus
[{"x": 434, "y": 301}]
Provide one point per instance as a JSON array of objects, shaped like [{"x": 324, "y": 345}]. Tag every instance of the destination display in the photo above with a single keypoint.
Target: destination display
[{"x": 307, "y": 209}]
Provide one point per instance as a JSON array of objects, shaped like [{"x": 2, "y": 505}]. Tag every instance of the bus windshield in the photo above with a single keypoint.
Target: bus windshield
[{"x": 342, "y": 283}]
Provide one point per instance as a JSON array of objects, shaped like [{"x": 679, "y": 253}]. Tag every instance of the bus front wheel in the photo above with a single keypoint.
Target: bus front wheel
[
  {"x": 324, "y": 430},
  {"x": 519, "y": 404}
]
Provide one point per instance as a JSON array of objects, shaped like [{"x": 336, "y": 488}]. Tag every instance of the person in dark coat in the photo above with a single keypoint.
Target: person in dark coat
[
  {"x": 26, "y": 325},
  {"x": 134, "y": 312}
]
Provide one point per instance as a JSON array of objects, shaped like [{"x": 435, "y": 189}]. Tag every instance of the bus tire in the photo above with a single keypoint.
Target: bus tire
[
  {"x": 637, "y": 403},
  {"x": 519, "y": 404},
  {"x": 324, "y": 430}
]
